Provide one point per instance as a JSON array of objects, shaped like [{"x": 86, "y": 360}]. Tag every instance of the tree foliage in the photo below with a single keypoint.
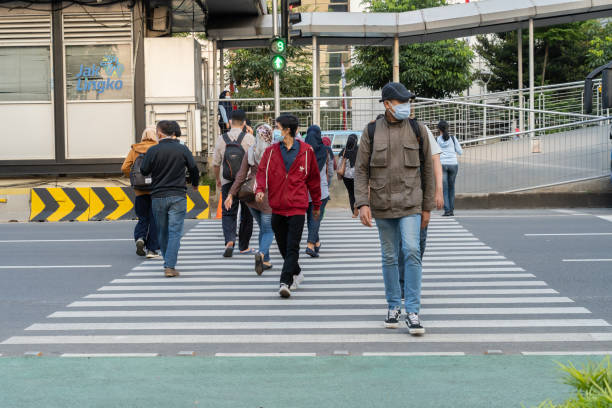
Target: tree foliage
[
  {"x": 252, "y": 72},
  {"x": 563, "y": 53},
  {"x": 434, "y": 70}
]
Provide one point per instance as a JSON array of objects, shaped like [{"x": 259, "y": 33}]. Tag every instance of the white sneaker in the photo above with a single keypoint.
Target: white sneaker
[
  {"x": 297, "y": 281},
  {"x": 284, "y": 291},
  {"x": 153, "y": 255}
]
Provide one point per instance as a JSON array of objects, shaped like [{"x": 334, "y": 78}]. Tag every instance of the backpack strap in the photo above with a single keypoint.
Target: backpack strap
[
  {"x": 240, "y": 138},
  {"x": 226, "y": 139}
]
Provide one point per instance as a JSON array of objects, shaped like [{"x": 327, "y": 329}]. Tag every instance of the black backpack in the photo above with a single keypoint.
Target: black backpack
[
  {"x": 137, "y": 179},
  {"x": 414, "y": 124},
  {"x": 232, "y": 159}
]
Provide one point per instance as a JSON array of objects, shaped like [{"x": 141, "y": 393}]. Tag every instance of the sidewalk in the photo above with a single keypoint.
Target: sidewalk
[{"x": 463, "y": 381}]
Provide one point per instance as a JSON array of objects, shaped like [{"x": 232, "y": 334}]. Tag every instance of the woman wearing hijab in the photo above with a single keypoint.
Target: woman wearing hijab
[
  {"x": 261, "y": 211},
  {"x": 313, "y": 138},
  {"x": 225, "y": 110},
  {"x": 145, "y": 232},
  {"x": 348, "y": 157},
  {"x": 327, "y": 142},
  {"x": 450, "y": 166}
]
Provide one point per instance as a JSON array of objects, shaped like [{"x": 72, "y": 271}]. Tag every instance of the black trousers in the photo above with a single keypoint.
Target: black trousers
[
  {"x": 229, "y": 220},
  {"x": 350, "y": 188},
  {"x": 288, "y": 233}
]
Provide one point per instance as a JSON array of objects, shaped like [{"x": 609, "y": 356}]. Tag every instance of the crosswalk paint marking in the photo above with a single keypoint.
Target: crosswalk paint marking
[
  {"x": 298, "y": 295},
  {"x": 397, "y": 337},
  {"x": 300, "y": 325},
  {"x": 414, "y": 354},
  {"x": 566, "y": 353},
  {"x": 103, "y": 355},
  {"x": 313, "y": 302},
  {"x": 427, "y": 275},
  {"x": 354, "y": 311},
  {"x": 265, "y": 354}
]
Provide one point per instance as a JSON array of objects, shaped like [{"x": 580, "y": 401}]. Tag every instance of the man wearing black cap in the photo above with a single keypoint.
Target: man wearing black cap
[{"x": 394, "y": 184}]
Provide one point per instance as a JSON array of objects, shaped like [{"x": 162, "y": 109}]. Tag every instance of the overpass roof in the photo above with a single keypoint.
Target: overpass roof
[{"x": 431, "y": 24}]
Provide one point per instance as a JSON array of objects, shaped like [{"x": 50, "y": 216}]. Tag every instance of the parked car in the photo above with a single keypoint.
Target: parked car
[{"x": 339, "y": 138}]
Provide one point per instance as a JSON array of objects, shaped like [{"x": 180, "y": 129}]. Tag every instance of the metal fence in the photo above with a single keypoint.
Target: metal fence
[
  {"x": 555, "y": 155},
  {"x": 498, "y": 155}
]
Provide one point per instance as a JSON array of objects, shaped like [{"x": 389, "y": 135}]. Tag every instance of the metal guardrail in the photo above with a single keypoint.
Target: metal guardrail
[{"x": 498, "y": 155}]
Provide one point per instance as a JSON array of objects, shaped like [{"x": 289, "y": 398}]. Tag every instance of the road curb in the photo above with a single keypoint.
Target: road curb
[{"x": 534, "y": 200}]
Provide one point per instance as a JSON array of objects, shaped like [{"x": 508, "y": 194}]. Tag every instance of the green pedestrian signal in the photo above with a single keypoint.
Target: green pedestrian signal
[
  {"x": 278, "y": 63},
  {"x": 278, "y": 45}
]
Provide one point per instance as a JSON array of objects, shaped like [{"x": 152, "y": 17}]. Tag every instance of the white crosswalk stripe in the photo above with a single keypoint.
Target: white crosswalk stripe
[{"x": 473, "y": 296}]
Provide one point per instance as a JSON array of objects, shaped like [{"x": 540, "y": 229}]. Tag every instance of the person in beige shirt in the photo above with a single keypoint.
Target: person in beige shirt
[{"x": 230, "y": 216}]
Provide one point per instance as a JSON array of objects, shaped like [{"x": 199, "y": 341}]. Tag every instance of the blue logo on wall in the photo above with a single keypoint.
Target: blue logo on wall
[{"x": 89, "y": 78}]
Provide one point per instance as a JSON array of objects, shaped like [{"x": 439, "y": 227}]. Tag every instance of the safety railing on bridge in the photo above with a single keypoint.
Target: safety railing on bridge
[{"x": 498, "y": 155}]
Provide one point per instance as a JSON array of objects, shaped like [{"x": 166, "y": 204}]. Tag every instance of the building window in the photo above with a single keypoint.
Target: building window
[
  {"x": 25, "y": 74},
  {"x": 338, "y": 7},
  {"x": 98, "y": 72}
]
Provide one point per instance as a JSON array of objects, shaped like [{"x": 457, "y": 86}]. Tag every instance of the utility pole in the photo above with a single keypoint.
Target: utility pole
[{"x": 276, "y": 73}]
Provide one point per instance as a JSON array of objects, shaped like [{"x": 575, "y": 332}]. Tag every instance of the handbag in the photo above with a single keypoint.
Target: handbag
[
  {"x": 246, "y": 192},
  {"x": 341, "y": 169}
]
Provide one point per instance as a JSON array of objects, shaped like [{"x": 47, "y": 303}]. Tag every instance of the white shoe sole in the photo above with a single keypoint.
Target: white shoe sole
[
  {"x": 416, "y": 332},
  {"x": 392, "y": 325},
  {"x": 284, "y": 293}
]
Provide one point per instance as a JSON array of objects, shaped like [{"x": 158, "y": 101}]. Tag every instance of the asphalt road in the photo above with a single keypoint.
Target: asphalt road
[{"x": 549, "y": 305}]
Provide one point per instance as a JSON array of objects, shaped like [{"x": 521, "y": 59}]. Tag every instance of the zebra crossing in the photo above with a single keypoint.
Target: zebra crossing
[{"x": 474, "y": 299}]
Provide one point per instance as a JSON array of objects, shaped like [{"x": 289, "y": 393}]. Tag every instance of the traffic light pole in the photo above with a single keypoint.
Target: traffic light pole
[{"x": 276, "y": 73}]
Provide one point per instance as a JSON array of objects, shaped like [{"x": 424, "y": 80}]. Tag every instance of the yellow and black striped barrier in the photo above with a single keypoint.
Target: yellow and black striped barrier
[{"x": 101, "y": 203}]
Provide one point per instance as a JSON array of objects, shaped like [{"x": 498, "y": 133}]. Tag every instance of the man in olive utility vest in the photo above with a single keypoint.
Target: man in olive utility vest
[{"x": 394, "y": 184}]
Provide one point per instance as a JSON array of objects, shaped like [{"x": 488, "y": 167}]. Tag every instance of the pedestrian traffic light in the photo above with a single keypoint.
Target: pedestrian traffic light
[
  {"x": 278, "y": 46},
  {"x": 288, "y": 19},
  {"x": 278, "y": 63}
]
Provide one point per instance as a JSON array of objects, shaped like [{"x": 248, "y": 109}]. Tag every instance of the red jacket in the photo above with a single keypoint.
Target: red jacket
[{"x": 288, "y": 192}]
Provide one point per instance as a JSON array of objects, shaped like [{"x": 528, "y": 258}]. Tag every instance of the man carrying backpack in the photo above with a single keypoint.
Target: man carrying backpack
[
  {"x": 166, "y": 163},
  {"x": 145, "y": 232},
  {"x": 229, "y": 152},
  {"x": 394, "y": 183}
]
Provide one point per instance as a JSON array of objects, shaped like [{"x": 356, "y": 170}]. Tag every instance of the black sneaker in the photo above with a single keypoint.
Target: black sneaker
[
  {"x": 392, "y": 320},
  {"x": 414, "y": 324},
  {"x": 140, "y": 247},
  {"x": 259, "y": 265}
]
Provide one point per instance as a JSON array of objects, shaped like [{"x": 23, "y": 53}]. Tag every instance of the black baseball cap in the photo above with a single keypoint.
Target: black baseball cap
[{"x": 397, "y": 91}]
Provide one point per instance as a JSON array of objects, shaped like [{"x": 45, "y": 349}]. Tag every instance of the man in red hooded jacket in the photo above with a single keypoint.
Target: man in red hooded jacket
[{"x": 288, "y": 171}]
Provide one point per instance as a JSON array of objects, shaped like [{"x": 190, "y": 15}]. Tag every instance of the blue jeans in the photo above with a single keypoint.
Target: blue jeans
[
  {"x": 145, "y": 228},
  {"x": 266, "y": 234},
  {"x": 315, "y": 225},
  {"x": 170, "y": 216},
  {"x": 401, "y": 234},
  {"x": 449, "y": 174},
  {"x": 401, "y": 257}
]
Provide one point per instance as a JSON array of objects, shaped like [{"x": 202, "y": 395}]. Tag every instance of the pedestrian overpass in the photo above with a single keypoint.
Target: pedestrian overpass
[{"x": 430, "y": 24}]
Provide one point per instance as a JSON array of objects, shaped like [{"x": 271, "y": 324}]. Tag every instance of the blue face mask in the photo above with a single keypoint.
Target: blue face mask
[
  {"x": 401, "y": 111},
  {"x": 278, "y": 135}
]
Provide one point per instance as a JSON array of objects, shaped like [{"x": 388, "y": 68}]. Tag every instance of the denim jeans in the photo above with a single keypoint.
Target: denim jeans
[
  {"x": 449, "y": 174},
  {"x": 170, "y": 216},
  {"x": 395, "y": 234},
  {"x": 146, "y": 227},
  {"x": 315, "y": 225},
  {"x": 401, "y": 258},
  {"x": 266, "y": 234}
]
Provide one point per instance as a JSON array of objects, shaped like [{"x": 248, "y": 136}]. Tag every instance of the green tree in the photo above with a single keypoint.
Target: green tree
[
  {"x": 563, "y": 53},
  {"x": 435, "y": 70},
  {"x": 251, "y": 70}
]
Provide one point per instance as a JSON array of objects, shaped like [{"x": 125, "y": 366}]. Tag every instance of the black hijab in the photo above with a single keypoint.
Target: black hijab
[
  {"x": 350, "y": 151},
  {"x": 313, "y": 138}
]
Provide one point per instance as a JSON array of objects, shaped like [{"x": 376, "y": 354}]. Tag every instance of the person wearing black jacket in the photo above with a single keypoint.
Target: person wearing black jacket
[{"x": 166, "y": 162}]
